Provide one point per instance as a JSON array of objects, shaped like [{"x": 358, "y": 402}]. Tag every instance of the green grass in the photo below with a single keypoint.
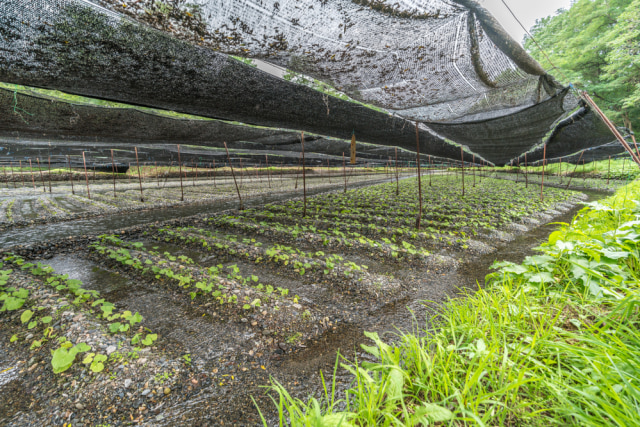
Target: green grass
[{"x": 551, "y": 341}]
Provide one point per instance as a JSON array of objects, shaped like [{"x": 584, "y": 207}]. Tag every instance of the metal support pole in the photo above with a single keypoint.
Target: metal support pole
[
  {"x": 113, "y": 174},
  {"x": 544, "y": 161},
  {"x": 70, "y": 175},
  {"x": 344, "y": 172},
  {"x": 462, "y": 156},
  {"x": 139, "y": 176},
  {"x": 49, "y": 162},
  {"x": 233, "y": 175},
  {"x": 44, "y": 187},
  {"x": 304, "y": 178},
  {"x": 86, "y": 176},
  {"x": 526, "y": 172},
  {"x": 180, "y": 171},
  {"x": 33, "y": 180},
  {"x": 574, "y": 170},
  {"x": 419, "y": 178}
]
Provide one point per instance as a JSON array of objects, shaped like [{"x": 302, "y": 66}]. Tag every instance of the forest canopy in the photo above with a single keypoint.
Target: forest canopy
[{"x": 595, "y": 44}]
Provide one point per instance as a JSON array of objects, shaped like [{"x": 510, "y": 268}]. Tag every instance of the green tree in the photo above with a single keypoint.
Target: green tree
[{"x": 595, "y": 44}]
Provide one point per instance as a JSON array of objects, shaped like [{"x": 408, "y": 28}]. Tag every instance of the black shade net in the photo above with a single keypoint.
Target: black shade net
[{"x": 434, "y": 61}]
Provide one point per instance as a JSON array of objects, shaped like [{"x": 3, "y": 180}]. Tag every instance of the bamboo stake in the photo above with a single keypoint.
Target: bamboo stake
[
  {"x": 139, "y": 176},
  {"x": 574, "y": 170},
  {"x": 473, "y": 170},
  {"x": 609, "y": 170},
  {"x": 128, "y": 174},
  {"x": 12, "y": 174},
  {"x": 180, "y": 173},
  {"x": 584, "y": 174},
  {"x": 113, "y": 174},
  {"x": 233, "y": 175},
  {"x": 44, "y": 188},
  {"x": 430, "y": 170},
  {"x": 297, "y": 173},
  {"x": 304, "y": 178},
  {"x": 157, "y": 175},
  {"x": 4, "y": 172},
  {"x": 70, "y": 175},
  {"x": 419, "y": 178},
  {"x": 86, "y": 176}
]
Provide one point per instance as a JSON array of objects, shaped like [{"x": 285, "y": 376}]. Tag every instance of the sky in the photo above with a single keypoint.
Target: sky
[{"x": 527, "y": 11}]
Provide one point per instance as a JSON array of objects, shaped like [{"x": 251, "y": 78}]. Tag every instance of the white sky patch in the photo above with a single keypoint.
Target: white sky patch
[{"x": 527, "y": 11}]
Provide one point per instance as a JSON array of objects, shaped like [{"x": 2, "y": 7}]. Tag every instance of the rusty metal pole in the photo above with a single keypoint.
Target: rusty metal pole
[
  {"x": 33, "y": 180},
  {"x": 214, "y": 172},
  {"x": 233, "y": 175},
  {"x": 526, "y": 172},
  {"x": 113, "y": 174},
  {"x": 419, "y": 178},
  {"x": 574, "y": 170},
  {"x": 12, "y": 174},
  {"x": 397, "y": 174},
  {"x": 70, "y": 175},
  {"x": 304, "y": 178},
  {"x": 180, "y": 172},
  {"x": 49, "y": 162},
  {"x": 44, "y": 187},
  {"x": 86, "y": 176},
  {"x": 139, "y": 176},
  {"x": 473, "y": 170},
  {"x": 344, "y": 172},
  {"x": 22, "y": 174},
  {"x": 544, "y": 161},
  {"x": 462, "y": 156},
  {"x": 266, "y": 160}
]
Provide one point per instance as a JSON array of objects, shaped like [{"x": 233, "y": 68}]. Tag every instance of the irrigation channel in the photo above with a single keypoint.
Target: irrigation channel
[{"x": 179, "y": 315}]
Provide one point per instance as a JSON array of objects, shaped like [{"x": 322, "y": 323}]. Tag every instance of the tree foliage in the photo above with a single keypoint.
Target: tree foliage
[{"x": 595, "y": 44}]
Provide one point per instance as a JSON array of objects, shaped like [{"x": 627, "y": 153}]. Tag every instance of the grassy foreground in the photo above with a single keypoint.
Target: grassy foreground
[{"x": 552, "y": 341}]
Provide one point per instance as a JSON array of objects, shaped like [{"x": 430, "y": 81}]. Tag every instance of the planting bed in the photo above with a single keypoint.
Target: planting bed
[{"x": 182, "y": 321}]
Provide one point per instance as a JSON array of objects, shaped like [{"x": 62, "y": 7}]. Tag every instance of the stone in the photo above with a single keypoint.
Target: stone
[
  {"x": 127, "y": 383},
  {"x": 167, "y": 390},
  {"x": 111, "y": 349},
  {"x": 79, "y": 406},
  {"x": 146, "y": 391}
]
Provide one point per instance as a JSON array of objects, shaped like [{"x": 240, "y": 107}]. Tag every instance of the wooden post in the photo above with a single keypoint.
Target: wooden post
[
  {"x": 462, "y": 156},
  {"x": 113, "y": 174},
  {"x": 139, "y": 176},
  {"x": 397, "y": 174},
  {"x": 44, "y": 188},
  {"x": 180, "y": 172},
  {"x": 86, "y": 176},
  {"x": 609, "y": 170},
  {"x": 574, "y": 170},
  {"x": 33, "y": 180},
  {"x": 344, "y": 171},
  {"x": 419, "y": 178},
  {"x": 233, "y": 175},
  {"x": 304, "y": 178}
]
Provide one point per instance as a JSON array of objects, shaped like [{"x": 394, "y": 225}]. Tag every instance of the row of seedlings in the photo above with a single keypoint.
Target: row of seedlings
[{"x": 272, "y": 312}]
